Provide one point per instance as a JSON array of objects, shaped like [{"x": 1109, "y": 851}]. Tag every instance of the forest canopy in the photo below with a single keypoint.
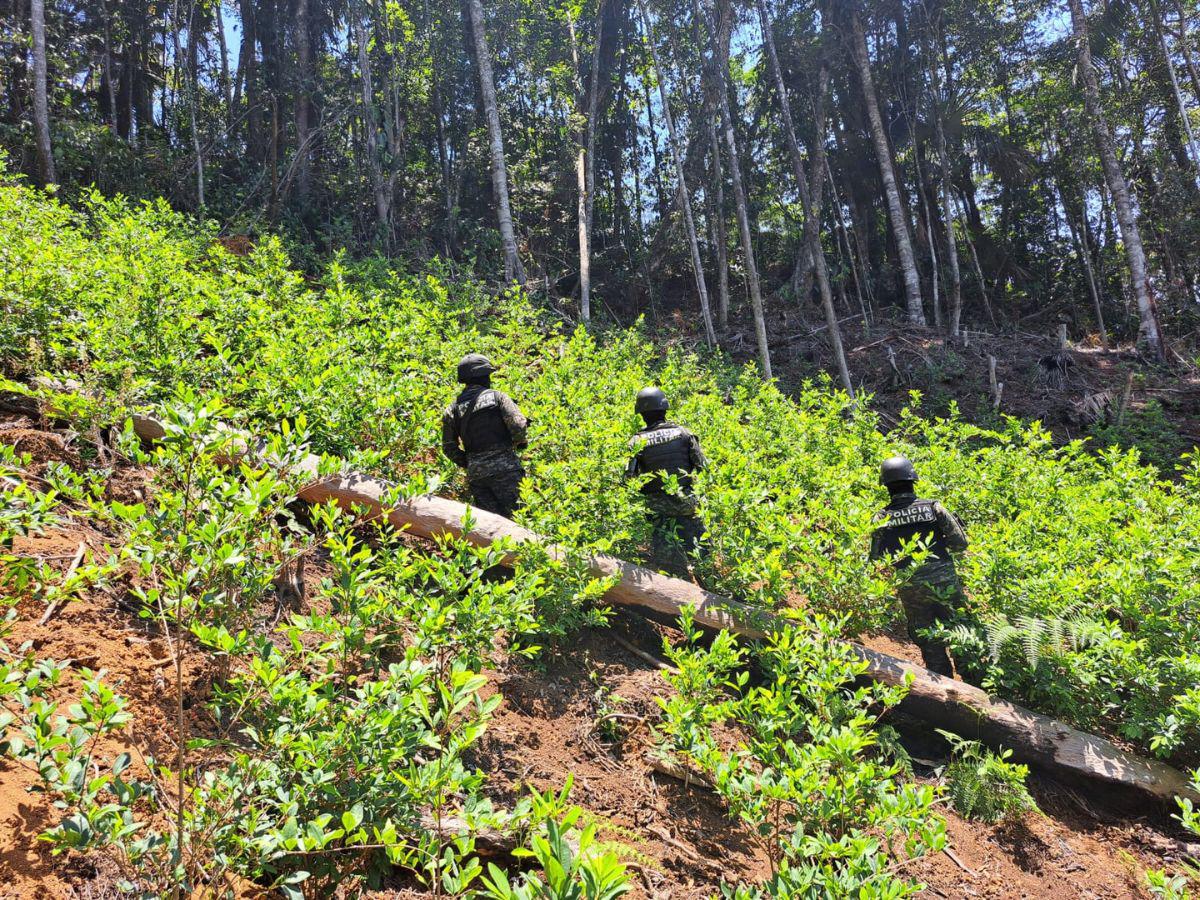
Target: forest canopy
[{"x": 949, "y": 161}]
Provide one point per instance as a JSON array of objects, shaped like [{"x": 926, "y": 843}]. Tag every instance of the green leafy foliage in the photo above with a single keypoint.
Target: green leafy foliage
[
  {"x": 137, "y": 305},
  {"x": 343, "y": 728},
  {"x": 1176, "y": 887},
  {"x": 1147, "y": 430},
  {"x": 801, "y": 773},
  {"x": 572, "y": 863},
  {"x": 985, "y": 785}
]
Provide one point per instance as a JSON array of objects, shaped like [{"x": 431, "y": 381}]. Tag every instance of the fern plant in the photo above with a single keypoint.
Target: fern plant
[
  {"x": 985, "y": 786},
  {"x": 1042, "y": 636}
]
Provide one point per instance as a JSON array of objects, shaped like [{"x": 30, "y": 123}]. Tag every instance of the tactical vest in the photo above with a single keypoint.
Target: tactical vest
[
  {"x": 917, "y": 519},
  {"x": 666, "y": 449},
  {"x": 481, "y": 425}
]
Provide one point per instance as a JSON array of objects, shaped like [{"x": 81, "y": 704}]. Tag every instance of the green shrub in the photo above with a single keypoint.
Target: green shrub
[
  {"x": 1175, "y": 887},
  {"x": 829, "y": 813},
  {"x": 1147, "y": 430},
  {"x": 573, "y": 863},
  {"x": 984, "y": 785}
]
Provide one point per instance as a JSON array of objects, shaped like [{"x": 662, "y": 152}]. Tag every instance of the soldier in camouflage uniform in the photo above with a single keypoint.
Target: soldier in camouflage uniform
[
  {"x": 664, "y": 448},
  {"x": 481, "y": 431},
  {"x": 931, "y": 591}
]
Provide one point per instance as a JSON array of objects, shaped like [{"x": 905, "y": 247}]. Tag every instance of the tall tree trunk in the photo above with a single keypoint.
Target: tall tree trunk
[
  {"x": 443, "y": 163},
  {"x": 720, "y": 80},
  {"x": 223, "y": 50},
  {"x": 660, "y": 199},
  {"x": 924, "y": 219},
  {"x": 812, "y": 235},
  {"x": 939, "y": 133},
  {"x": 585, "y": 165},
  {"x": 371, "y": 125},
  {"x": 685, "y": 198},
  {"x": 125, "y": 83},
  {"x": 1131, "y": 237},
  {"x": 926, "y": 207},
  {"x": 513, "y": 270},
  {"x": 714, "y": 193},
  {"x": 109, "y": 81},
  {"x": 908, "y": 262},
  {"x": 852, "y": 259},
  {"x": 248, "y": 65},
  {"x": 978, "y": 270},
  {"x": 1161, "y": 33},
  {"x": 1186, "y": 48},
  {"x": 1079, "y": 237},
  {"x": 720, "y": 238},
  {"x": 41, "y": 103},
  {"x": 303, "y": 102},
  {"x": 191, "y": 79}
]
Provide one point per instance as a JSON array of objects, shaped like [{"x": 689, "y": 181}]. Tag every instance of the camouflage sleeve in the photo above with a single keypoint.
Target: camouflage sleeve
[
  {"x": 877, "y": 544},
  {"x": 517, "y": 423},
  {"x": 952, "y": 528},
  {"x": 634, "y": 467},
  {"x": 450, "y": 444},
  {"x": 696, "y": 455}
]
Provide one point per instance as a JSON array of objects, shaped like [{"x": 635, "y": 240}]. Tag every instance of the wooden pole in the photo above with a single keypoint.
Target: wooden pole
[{"x": 997, "y": 386}]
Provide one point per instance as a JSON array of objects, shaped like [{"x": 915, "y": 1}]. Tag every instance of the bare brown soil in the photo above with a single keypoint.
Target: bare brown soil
[
  {"x": 890, "y": 360},
  {"x": 678, "y": 837}
]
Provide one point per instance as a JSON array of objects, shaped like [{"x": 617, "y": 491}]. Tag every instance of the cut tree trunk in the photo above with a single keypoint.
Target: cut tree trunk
[
  {"x": 1122, "y": 197},
  {"x": 513, "y": 270},
  {"x": 899, "y": 219},
  {"x": 966, "y": 709}
]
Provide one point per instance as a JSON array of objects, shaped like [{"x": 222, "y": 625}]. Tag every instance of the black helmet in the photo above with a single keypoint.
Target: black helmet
[
  {"x": 474, "y": 365},
  {"x": 898, "y": 468},
  {"x": 651, "y": 399}
]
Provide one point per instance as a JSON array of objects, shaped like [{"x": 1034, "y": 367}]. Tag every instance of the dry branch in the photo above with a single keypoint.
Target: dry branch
[{"x": 54, "y": 607}]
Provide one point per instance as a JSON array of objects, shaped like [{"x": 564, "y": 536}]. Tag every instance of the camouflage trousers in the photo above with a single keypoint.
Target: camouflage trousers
[
  {"x": 929, "y": 597},
  {"x": 673, "y": 541},
  {"x": 494, "y": 477}
]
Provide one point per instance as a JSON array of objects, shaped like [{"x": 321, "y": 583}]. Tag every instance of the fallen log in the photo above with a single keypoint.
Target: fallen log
[{"x": 962, "y": 708}]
